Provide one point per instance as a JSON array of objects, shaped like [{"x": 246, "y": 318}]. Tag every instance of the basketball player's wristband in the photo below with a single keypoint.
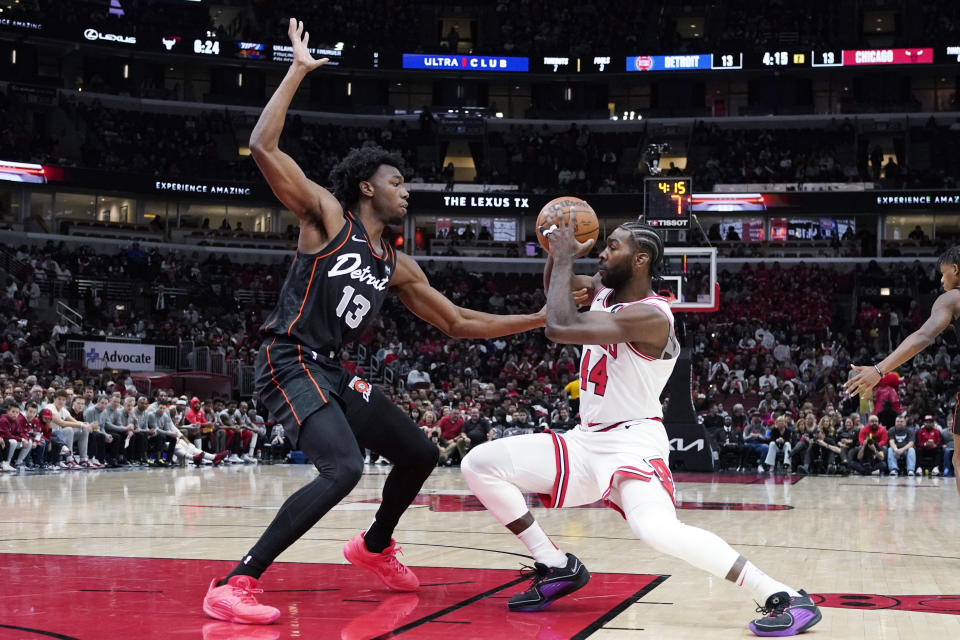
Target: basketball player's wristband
[{"x": 877, "y": 369}]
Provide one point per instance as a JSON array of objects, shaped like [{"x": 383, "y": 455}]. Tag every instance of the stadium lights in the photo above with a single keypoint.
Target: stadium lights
[
  {"x": 349, "y": 88},
  {"x": 13, "y": 56},
  {"x": 126, "y": 70},
  {"x": 499, "y": 114},
  {"x": 884, "y": 291}
]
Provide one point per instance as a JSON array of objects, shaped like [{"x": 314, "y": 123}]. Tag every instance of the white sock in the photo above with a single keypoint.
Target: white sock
[
  {"x": 760, "y": 585},
  {"x": 253, "y": 445},
  {"x": 542, "y": 547}
]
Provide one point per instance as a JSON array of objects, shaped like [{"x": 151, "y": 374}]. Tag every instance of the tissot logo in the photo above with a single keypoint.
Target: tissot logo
[{"x": 94, "y": 35}]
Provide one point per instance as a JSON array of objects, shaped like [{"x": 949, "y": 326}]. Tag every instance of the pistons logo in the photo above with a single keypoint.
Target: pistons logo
[{"x": 362, "y": 387}]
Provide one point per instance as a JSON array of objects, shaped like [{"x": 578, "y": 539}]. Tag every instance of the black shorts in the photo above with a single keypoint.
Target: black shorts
[
  {"x": 956, "y": 414},
  {"x": 293, "y": 382}
]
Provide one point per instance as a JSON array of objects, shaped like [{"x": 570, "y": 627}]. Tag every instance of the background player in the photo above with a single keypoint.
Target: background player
[
  {"x": 619, "y": 452},
  {"x": 335, "y": 286},
  {"x": 945, "y": 310}
]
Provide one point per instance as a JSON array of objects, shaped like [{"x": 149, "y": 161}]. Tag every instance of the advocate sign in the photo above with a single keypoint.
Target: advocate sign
[{"x": 119, "y": 355}]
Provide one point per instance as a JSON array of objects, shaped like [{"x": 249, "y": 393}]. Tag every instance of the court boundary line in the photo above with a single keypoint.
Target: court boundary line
[
  {"x": 450, "y": 609},
  {"x": 610, "y": 615},
  {"x": 39, "y": 632}
]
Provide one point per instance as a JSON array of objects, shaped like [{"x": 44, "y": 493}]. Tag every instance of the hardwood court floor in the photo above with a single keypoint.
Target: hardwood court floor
[{"x": 129, "y": 554}]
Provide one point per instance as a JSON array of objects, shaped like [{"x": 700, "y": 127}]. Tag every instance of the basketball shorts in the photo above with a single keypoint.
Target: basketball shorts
[
  {"x": 956, "y": 414},
  {"x": 589, "y": 463},
  {"x": 293, "y": 382}
]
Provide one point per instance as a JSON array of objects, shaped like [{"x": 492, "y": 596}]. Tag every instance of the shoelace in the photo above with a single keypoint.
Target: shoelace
[
  {"x": 772, "y": 612},
  {"x": 395, "y": 564},
  {"x": 526, "y": 571},
  {"x": 245, "y": 594}
]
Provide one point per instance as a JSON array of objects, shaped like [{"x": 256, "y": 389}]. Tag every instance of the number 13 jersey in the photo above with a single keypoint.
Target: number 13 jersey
[
  {"x": 330, "y": 297},
  {"x": 618, "y": 382}
]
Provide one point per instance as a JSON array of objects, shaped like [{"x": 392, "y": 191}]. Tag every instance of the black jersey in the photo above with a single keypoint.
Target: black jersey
[{"x": 330, "y": 297}]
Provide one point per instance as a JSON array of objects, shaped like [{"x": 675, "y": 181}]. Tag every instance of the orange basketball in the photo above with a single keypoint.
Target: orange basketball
[{"x": 585, "y": 223}]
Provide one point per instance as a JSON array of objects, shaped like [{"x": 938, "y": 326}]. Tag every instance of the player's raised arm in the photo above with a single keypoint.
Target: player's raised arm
[
  {"x": 582, "y": 287},
  {"x": 304, "y": 197},
  {"x": 942, "y": 313},
  {"x": 414, "y": 290}
]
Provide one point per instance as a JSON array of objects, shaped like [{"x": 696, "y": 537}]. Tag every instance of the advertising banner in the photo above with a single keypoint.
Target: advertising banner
[{"x": 119, "y": 355}]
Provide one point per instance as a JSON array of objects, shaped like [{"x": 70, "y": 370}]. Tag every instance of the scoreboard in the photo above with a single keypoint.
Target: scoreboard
[
  {"x": 667, "y": 201},
  {"x": 210, "y": 44}
]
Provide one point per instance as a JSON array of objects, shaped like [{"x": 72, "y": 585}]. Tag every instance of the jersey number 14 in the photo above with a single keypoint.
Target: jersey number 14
[{"x": 597, "y": 374}]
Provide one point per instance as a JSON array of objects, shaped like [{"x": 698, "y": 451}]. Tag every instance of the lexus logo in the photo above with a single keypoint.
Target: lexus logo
[{"x": 94, "y": 35}]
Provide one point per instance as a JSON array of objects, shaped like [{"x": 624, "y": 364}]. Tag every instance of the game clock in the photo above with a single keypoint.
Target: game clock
[{"x": 667, "y": 202}]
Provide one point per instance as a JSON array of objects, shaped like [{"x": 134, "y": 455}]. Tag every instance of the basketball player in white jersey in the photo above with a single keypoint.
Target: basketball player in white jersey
[{"x": 620, "y": 450}]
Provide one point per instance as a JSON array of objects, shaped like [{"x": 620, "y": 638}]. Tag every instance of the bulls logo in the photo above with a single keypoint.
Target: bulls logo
[{"x": 362, "y": 387}]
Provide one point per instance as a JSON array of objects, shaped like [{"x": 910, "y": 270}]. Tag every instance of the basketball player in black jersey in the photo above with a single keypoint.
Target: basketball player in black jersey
[
  {"x": 945, "y": 311},
  {"x": 337, "y": 282}
]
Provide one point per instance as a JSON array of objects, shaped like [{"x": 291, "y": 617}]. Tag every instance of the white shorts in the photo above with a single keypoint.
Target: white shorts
[{"x": 588, "y": 463}]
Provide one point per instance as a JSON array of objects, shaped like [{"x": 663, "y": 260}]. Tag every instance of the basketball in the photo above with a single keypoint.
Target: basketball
[{"x": 585, "y": 223}]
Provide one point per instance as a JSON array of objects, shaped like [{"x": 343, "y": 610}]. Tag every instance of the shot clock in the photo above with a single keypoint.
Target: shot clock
[{"x": 667, "y": 202}]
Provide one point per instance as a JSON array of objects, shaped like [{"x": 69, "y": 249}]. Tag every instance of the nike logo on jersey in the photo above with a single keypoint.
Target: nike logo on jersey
[{"x": 356, "y": 239}]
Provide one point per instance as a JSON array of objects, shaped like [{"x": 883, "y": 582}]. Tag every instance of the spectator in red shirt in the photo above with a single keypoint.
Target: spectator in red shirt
[
  {"x": 197, "y": 425},
  {"x": 32, "y": 427},
  {"x": 451, "y": 431},
  {"x": 451, "y": 424},
  {"x": 928, "y": 447},
  {"x": 16, "y": 436},
  {"x": 866, "y": 459}
]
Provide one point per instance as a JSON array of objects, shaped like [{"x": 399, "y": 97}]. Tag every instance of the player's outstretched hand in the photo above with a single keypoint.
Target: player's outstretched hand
[
  {"x": 301, "y": 53},
  {"x": 559, "y": 234},
  {"x": 866, "y": 379}
]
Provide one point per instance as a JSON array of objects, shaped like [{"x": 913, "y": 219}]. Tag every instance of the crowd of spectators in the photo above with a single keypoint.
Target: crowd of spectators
[
  {"x": 193, "y": 146},
  {"x": 576, "y": 159},
  {"x": 203, "y": 145},
  {"x": 169, "y": 298},
  {"x": 92, "y": 424},
  {"x": 756, "y": 360},
  {"x": 772, "y": 155}
]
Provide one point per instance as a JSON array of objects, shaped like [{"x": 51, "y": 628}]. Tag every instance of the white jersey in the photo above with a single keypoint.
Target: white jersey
[{"x": 618, "y": 383}]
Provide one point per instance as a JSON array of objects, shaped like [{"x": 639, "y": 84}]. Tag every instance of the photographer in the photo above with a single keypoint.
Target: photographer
[
  {"x": 821, "y": 453},
  {"x": 873, "y": 438}
]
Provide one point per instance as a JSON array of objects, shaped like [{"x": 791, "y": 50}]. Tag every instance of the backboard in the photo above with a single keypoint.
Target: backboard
[{"x": 689, "y": 278}]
